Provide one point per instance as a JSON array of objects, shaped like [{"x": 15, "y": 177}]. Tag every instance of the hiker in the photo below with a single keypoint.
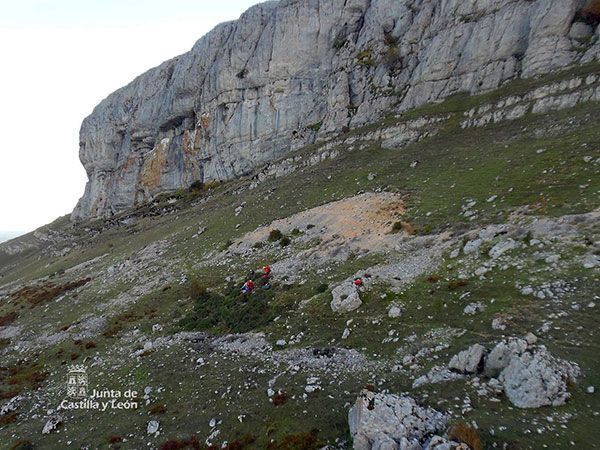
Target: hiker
[
  {"x": 358, "y": 282},
  {"x": 266, "y": 272},
  {"x": 248, "y": 287}
]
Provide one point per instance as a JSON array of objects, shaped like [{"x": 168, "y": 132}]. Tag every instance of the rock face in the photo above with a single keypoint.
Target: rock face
[
  {"x": 289, "y": 72},
  {"x": 391, "y": 422}
]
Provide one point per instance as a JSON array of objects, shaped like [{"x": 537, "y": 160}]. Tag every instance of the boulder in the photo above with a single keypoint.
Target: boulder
[
  {"x": 440, "y": 443},
  {"x": 469, "y": 360},
  {"x": 346, "y": 298},
  {"x": 152, "y": 427},
  {"x": 391, "y": 422},
  {"x": 437, "y": 374},
  {"x": 52, "y": 424},
  {"x": 473, "y": 308},
  {"x": 536, "y": 379},
  {"x": 580, "y": 30},
  {"x": 502, "y": 247},
  {"x": 472, "y": 246},
  {"x": 501, "y": 355},
  {"x": 394, "y": 311}
]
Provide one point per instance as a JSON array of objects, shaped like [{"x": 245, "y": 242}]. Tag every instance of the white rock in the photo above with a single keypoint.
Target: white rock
[
  {"x": 473, "y": 308},
  {"x": 502, "y": 247},
  {"x": 535, "y": 379},
  {"x": 469, "y": 360},
  {"x": 472, "y": 246},
  {"x": 346, "y": 298},
  {"x": 52, "y": 424},
  {"x": 388, "y": 421},
  {"x": 395, "y": 311},
  {"x": 153, "y": 427}
]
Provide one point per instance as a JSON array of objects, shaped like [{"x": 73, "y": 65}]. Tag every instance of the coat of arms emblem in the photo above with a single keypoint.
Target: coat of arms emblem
[{"x": 77, "y": 381}]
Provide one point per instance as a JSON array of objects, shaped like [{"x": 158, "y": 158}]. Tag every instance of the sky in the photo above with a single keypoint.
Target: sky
[{"x": 60, "y": 58}]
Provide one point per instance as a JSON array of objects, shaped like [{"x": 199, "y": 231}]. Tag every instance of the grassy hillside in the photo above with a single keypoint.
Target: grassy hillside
[{"x": 99, "y": 296}]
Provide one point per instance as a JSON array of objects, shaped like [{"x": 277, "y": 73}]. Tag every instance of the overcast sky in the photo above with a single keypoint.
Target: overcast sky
[{"x": 59, "y": 59}]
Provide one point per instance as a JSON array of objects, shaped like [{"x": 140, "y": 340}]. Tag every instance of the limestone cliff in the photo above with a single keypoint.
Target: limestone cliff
[{"x": 292, "y": 71}]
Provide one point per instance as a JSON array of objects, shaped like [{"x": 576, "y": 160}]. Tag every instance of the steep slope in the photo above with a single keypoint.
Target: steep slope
[
  {"x": 476, "y": 219},
  {"x": 291, "y": 72}
]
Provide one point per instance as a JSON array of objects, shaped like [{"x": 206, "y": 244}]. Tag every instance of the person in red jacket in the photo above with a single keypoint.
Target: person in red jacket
[
  {"x": 248, "y": 287},
  {"x": 358, "y": 282},
  {"x": 267, "y": 271}
]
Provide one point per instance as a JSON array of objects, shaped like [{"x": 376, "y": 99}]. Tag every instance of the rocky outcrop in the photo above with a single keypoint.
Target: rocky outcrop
[
  {"x": 529, "y": 374},
  {"x": 390, "y": 422},
  {"x": 290, "y": 72}
]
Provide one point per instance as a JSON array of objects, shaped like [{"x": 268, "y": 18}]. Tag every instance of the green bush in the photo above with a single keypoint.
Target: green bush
[
  {"x": 196, "y": 186},
  {"x": 197, "y": 289},
  {"x": 285, "y": 241},
  {"x": 229, "y": 312},
  {"x": 321, "y": 288},
  {"x": 397, "y": 227},
  {"x": 275, "y": 235}
]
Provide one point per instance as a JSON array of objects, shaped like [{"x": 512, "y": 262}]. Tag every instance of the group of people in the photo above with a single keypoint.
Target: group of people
[{"x": 265, "y": 281}]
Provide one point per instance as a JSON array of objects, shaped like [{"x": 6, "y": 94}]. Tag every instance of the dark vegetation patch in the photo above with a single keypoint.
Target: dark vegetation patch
[
  {"x": 22, "y": 445},
  {"x": 229, "y": 311},
  {"x": 192, "y": 443},
  {"x": 275, "y": 235},
  {"x": 11, "y": 417},
  {"x": 299, "y": 441},
  {"x": 7, "y": 319},
  {"x": 115, "y": 439},
  {"x": 280, "y": 398},
  {"x": 37, "y": 295},
  {"x": 20, "y": 377},
  {"x": 158, "y": 409},
  {"x": 456, "y": 284}
]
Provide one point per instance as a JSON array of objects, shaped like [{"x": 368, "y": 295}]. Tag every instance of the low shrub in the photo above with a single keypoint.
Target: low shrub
[
  {"x": 279, "y": 399},
  {"x": 196, "y": 186},
  {"x": 285, "y": 241},
  {"x": 11, "y": 417},
  {"x": 275, "y": 235},
  {"x": 8, "y": 319},
  {"x": 158, "y": 409},
  {"x": 323, "y": 287},
  {"x": 22, "y": 445},
  {"x": 299, "y": 441},
  {"x": 230, "y": 311},
  {"x": 192, "y": 443},
  {"x": 462, "y": 432},
  {"x": 455, "y": 284}
]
